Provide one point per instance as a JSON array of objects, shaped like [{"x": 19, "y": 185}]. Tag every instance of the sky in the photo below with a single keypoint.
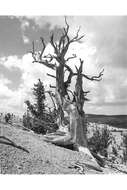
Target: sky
[{"x": 103, "y": 46}]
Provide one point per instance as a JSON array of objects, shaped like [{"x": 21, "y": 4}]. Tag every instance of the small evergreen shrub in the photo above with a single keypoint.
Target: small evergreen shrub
[
  {"x": 100, "y": 141},
  {"x": 37, "y": 117},
  {"x": 7, "y": 117}
]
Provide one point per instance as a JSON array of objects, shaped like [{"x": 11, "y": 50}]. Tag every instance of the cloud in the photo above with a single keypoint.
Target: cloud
[
  {"x": 4, "y": 80},
  {"x": 103, "y": 46},
  {"x": 108, "y": 36},
  {"x": 26, "y": 40},
  {"x": 106, "y": 33},
  {"x": 4, "y": 90},
  {"x": 24, "y": 24},
  {"x": 41, "y": 21},
  {"x": 30, "y": 74},
  {"x": 8, "y": 97},
  {"x": 110, "y": 94},
  {"x": 112, "y": 90}
]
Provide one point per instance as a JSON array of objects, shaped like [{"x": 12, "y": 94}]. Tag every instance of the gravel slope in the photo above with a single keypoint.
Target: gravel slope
[{"x": 34, "y": 156}]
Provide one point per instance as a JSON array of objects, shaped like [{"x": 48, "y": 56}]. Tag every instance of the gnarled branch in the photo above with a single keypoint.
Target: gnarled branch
[
  {"x": 54, "y": 44},
  {"x": 72, "y": 57},
  {"x": 51, "y": 96},
  {"x": 52, "y": 86},
  {"x": 62, "y": 46},
  {"x": 37, "y": 56},
  {"x": 51, "y": 75},
  {"x": 86, "y": 92},
  {"x": 94, "y": 78},
  {"x": 71, "y": 74},
  {"x": 77, "y": 37},
  {"x": 51, "y": 66},
  {"x": 43, "y": 47}
]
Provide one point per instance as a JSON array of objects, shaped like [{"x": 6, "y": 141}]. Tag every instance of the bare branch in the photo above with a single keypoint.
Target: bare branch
[
  {"x": 72, "y": 57},
  {"x": 68, "y": 81},
  {"x": 66, "y": 23},
  {"x": 77, "y": 34},
  {"x": 39, "y": 59},
  {"x": 64, "y": 40},
  {"x": 68, "y": 68},
  {"x": 51, "y": 96},
  {"x": 50, "y": 57},
  {"x": 71, "y": 74},
  {"x": 77, "y": 38},
  {"x": 43, "y": 47},
  {"x": 52, "y": 86},
  {"x": 51, "y": 66},
  {"x": 94, "y": 78},
  {"x": 61, "y": 48},
  {"x": 86, "y": 92},
  {"x": 33, "y": 51},
  {"x": 76, "y": 68},
  {"x": 51, "y": 75},
  {"x": 54, "y": 44},
  {"x": 86, "y": 99},
  {"x": 65, "y": 71}
]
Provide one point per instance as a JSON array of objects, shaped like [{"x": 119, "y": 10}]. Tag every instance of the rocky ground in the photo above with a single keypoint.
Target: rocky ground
[{"x": 24, "y": 152}]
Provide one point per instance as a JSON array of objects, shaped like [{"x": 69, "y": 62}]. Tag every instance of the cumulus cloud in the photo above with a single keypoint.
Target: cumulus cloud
[
  {"x": 103, "y": 46},
  {"x": 24, "y": 24},
  {"x": 30, "y": 73},
  {"x": 41, "y": 21},
  {"x": 109, "y": 96},
  {"x": 109, "y": 36},
  {"x": 110, "y": 91},
  {"x": 9, "y": 98},
  {"x": 26, "y": 40},
  {"x": 106, "y": 33},
  {"x": 4, "y": 90}
]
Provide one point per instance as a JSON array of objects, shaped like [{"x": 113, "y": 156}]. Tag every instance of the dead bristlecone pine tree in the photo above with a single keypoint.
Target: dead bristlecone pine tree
[{"x": 75, "y": 133}]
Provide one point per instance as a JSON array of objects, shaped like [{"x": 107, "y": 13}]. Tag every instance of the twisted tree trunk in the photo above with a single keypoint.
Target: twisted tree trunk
[
  {"x": 81, "y": 130},
  {"x": 59, "y": 94},
  {"x": 76, "y": 133}
]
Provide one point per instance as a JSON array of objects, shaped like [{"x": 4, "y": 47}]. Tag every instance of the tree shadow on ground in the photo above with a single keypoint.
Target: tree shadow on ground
[{"x": 7, "y": 141}]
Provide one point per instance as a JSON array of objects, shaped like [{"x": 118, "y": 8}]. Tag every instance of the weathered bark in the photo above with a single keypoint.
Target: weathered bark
[
  {"x": 76, "y": 133},
  {"x": 59, "y": 94},
  {"x": 81, "y": 139},
  {"x": 74, "y": 138},
  {"x": 81, "y": 130},
  {"x": 69, "y": 137}
]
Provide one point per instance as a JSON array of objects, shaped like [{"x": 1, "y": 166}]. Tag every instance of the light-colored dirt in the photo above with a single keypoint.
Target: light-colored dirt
[{"x": 43, "y": 158}]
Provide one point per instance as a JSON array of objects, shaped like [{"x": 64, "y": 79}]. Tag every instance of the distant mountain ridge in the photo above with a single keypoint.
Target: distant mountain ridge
[{"x": 119, "y": 121}]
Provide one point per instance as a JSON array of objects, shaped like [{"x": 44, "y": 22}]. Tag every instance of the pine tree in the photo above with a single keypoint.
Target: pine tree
[
  {"x": 39, "y": 93},
  {"x": 41, "y": 120},
  {"x": 38, "y": 108}
]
